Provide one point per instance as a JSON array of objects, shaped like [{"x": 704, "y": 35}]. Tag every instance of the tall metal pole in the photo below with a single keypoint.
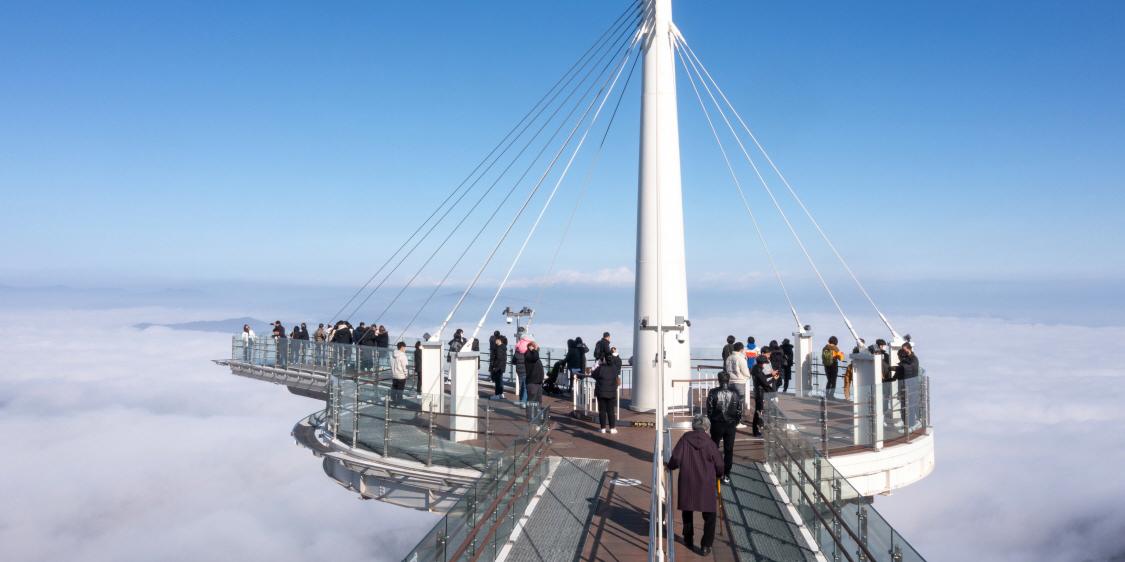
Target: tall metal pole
[{"x": 661, "y": 283}]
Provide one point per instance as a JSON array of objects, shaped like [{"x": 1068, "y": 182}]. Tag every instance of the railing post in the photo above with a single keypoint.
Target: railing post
[
  {"x": 355, "y": 416},
  {"x": 896, "y": 554},
  {"x": 430, "y": 453},
  {"x": 387, "y": 425},
  {"x": 823, "y": 425},
  {"x": 904, "y": 397},
  {"x": 863, "y": 534},
  {"x": 487, "y": 429}
]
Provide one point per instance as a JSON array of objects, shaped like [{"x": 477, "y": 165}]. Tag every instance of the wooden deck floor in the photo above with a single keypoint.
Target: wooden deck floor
[{"x": 619, "y": 529}]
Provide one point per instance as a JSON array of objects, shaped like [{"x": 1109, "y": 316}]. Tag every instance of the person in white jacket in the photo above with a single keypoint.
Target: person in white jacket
[
  {"x": 247, "y": 343},
  {"x": 739, "y": 371},
  {"x": 398, "y": 373}
]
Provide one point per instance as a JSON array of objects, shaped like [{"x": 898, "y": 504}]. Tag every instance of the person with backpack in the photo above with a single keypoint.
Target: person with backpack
[
  {"x": 830, "y": 357},
  {"x": 751, "y": 352},
  {"x": 601, "y": 349},
  {"x": 497, "y": 362}
]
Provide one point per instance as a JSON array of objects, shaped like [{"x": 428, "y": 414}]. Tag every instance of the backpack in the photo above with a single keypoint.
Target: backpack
[{"x": 828, "y": 357}]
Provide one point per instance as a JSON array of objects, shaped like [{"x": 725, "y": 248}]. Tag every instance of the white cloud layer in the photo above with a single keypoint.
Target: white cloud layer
[{"x": 119, "y": 444}]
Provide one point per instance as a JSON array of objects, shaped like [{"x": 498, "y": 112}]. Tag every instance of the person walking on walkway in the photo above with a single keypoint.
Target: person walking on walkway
[
  {"x": 700, "y": 465},
  {"x": 606, "y": 376},
  {"x": 398, "y": 373},
  {"x": 535, "y": 376},
  {"x": 830, "y": 357},
  {"x": 725, "y": 406},
  {"x": 497, "y": 362}
]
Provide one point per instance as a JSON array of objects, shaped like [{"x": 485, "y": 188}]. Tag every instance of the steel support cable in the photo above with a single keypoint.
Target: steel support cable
[
  {"x": 534, "y": 190},
  {"x": 562, "y": 176},
  {"x": 448, "y": 273},
  {"x": 593, "y": 50},
  {"x": 859, "y": 341},
  {"x": 471, "y": 243},
  {"x": 740, "y": 192},
  {"x": 793, "y": 193},
  {"x": 612, "y": 116}
]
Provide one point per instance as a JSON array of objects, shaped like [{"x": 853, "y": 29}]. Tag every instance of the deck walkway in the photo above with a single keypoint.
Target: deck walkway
[{"x": 618, "y": 527}]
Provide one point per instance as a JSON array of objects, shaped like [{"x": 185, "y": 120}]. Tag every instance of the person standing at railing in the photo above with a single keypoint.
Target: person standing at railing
[
  {"x": 399, "y": 364},
  {"x": 247, "y": 343},
  {"x": 282, "y": 343},
  {"x": 521, "y": 367},
  {"x": 294, "y": 344},
  {"x": 368, "y": 338},
  {"x": 729, "y": 347},
  {"x": 359, "y": 333},
  {"x": 787, "y": 351},
  {"x": 830, "y": 357},
  {"x": 779, "y": 363},
  {"x": 497, "y": 362},
  {"x": 908, "y": 366},
  {"x": 725, "y": 406},
  {"x": 320, "y": 336},
  {"x": 737, "y": 370},
  {"x": 607, "y": 377},
  {"x": 700, "y": 466},
  {"x": 765, "y": 380},
  {"x": 602, "y": 347},
  {"x": 751, "y": 352},
  {"x": 418, "y": 366},
  {"x": 535, "y": 376}
]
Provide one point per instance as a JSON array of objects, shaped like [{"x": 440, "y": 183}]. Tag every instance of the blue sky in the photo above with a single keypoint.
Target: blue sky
[{"x": 300, "y": 142}]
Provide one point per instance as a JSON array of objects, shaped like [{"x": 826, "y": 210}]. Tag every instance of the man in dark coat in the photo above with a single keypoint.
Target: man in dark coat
[
  {"x": 724, "y": 412},
  {"x": 497, "y": 362},
  {"x": 605, "y": 389},
  {"x": 601, "y": 349},
  {"x": 343, "y": 333},
  {"x": 700, "y": 465},
  {"x": 908, "y": 366},
  {"x": 418, "y": 365},
  {"x": 359, "y": 333},
  {"x": 383, "y": 339}
]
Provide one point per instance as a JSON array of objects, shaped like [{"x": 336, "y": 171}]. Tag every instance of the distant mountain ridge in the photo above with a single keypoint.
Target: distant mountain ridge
[{"x": 229, "y": 326}]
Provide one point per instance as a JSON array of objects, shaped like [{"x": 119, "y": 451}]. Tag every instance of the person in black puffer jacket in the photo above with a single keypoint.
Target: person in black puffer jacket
[
  {"x": 606, "y": 378},
  {"x": 779, "y": 363},
  {"x": 497, "y": 361}
]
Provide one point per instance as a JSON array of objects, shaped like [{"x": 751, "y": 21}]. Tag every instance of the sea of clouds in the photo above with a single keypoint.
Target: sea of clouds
[{"x": 119, "y": 443}]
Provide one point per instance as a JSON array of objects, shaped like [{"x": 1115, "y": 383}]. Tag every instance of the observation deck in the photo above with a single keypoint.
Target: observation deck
[{"x": 540, "y": 482}]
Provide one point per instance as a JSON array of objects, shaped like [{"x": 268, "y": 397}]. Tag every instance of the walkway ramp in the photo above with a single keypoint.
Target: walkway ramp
[
  {"x": 559, "y": 521},
  {"x": 760, "y": 522}
]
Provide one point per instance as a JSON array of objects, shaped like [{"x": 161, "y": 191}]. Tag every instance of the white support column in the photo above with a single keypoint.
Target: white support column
[
  {"x": 867, "y": 393},
  {"x": 661, "y": 270},
  {"x": 802, "y": 363},
  {"x": 433, "y": 369},
  {"x": 463, "y": 402}
]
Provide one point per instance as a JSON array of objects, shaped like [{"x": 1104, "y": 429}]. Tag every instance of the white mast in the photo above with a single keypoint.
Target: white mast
[{"x": 661, "y": 289}]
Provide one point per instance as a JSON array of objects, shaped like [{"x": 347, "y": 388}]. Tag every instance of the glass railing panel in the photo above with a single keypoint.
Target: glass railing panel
[{"x": 840, "y": 519}]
